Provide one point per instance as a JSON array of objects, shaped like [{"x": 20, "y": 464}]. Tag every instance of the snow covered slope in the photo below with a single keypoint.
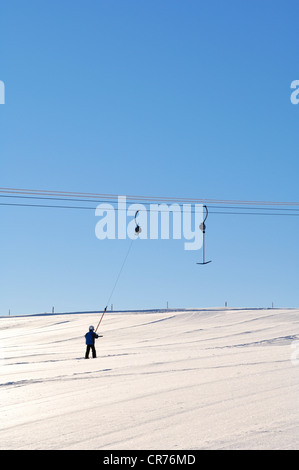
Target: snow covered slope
[{"x": 191, "y": 379}]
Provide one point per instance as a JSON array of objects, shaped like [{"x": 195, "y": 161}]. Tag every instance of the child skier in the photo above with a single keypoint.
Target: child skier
[{"x": 90, "y": 337}]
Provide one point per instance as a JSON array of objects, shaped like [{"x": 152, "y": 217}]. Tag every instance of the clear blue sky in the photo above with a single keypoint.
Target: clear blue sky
[{"x": 165, "y": 98}]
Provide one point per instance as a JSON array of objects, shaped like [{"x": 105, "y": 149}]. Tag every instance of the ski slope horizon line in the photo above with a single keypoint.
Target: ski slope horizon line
[{"x": 152, "y": 310}]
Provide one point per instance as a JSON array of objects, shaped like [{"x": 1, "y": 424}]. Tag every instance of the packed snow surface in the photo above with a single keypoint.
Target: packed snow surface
[{"x": 185, "y": 379}]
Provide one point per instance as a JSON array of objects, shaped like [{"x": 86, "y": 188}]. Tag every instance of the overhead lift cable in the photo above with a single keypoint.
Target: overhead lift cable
[
  {"x": 218, "y": 207},
  {"x": 101, "y": 196}
]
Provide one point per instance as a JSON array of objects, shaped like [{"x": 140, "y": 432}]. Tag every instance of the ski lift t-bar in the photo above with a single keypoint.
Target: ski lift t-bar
[
  {"x": 203, "y": 229},
  {"x": 137, "y": 232}
]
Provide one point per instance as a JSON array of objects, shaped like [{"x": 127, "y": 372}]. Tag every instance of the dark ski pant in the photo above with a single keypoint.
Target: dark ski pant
[{"x": 88, "y": 348}]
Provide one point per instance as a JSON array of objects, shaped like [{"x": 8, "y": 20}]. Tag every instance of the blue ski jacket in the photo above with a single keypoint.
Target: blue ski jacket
[{"x": 90, "y": 337}]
